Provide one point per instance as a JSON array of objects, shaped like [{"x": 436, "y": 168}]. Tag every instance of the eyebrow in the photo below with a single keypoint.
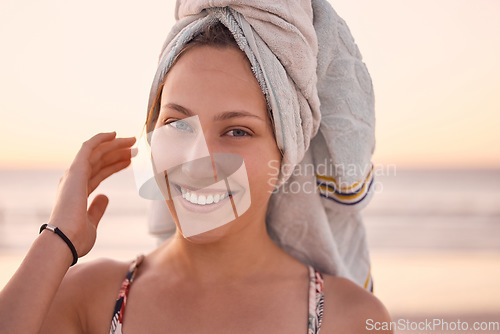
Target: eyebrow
[{"x": 219, "y": 117}]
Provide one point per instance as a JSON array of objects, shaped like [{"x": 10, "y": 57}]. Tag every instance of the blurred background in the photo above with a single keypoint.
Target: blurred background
[{"x": 69, "y": 70}]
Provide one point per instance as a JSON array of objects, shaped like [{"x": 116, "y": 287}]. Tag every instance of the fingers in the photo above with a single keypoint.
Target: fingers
[
  {"x": 108, "y": 158},
  {"x": 101, "y": 156},
  {"x": 82, "y": 157},
  {"x": 97, "y": 208},
  {"x": 89, "y": 145},
  {"x": 103, "y": 153},
  {"x": 106, "y": 172}
]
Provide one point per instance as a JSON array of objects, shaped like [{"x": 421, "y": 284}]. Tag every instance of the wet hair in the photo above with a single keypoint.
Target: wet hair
[{"x": 216, "y": 35}]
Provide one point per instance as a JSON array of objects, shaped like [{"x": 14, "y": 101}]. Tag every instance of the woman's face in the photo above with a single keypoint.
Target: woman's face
[{"x": 213, "y": 91}]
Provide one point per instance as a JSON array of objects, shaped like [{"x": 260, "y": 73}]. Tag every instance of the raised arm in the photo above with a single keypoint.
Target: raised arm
[{"x": 26, "y": 298}]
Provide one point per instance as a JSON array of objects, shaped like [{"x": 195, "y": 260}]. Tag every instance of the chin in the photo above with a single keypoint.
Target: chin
[{"x": 211, "y": 236}]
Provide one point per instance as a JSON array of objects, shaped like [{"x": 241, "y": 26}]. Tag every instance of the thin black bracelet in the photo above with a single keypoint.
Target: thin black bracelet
[{"x": 64, "y": 237}]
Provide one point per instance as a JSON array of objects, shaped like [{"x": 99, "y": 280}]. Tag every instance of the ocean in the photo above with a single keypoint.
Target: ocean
[
  {"x": 413, "y": 210},
  {"x": 450, "y": 210}
]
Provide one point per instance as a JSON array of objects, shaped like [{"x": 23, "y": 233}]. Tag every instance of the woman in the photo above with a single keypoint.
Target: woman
[{"x": 227, "y": 279}]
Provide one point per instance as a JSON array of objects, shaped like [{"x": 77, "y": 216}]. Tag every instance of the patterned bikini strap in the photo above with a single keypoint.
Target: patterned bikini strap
[
  {"x": 121, "y": 301},
  {"x": 134, "y": 266},
  {"x": 316, "y": 301}
]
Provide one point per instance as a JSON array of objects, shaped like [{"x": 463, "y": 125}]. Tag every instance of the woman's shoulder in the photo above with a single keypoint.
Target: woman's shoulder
[
  {"x": 87, "y": 294},
  {"x": 348, "y": 308},
  {"x": 98, "y": 278},
  {"x": 96, "y": 274}
]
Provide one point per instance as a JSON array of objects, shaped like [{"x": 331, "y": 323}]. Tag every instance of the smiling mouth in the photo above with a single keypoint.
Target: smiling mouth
[{"x": 204, "y": 197}]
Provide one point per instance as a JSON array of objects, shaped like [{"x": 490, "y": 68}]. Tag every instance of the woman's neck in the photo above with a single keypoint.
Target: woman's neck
[{"x": 243, "y": 252}]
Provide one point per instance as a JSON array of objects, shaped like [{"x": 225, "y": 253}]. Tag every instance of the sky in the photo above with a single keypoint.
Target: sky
[{"x": 69, "y": 70}]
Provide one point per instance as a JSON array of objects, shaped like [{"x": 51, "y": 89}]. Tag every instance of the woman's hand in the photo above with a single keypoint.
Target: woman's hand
[
  {"x": 34, "y": 285},
  {"x": 98, "y": 158}
]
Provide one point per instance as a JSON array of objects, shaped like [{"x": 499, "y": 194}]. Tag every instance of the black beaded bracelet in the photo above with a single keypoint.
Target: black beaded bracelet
[{"x": 64, "y": 237}]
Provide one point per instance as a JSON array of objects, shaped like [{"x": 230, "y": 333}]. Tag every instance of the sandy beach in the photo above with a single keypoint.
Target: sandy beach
[{"x": 437, "y": 282}]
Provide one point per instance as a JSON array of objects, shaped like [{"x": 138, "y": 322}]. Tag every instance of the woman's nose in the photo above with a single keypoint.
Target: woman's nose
[
  {"x": 199, "y": 169},
  {"x": 199, "y": 163}
]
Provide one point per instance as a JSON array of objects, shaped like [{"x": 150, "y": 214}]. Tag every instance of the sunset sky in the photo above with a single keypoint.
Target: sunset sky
[{"x": 71, "y": 69}]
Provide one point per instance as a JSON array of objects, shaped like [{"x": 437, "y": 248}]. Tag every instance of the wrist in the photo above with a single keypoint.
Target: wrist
[{"x": 63, "y": 240}]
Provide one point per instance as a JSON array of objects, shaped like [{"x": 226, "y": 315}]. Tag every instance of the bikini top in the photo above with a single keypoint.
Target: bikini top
[{"x": 316, "y": 299}]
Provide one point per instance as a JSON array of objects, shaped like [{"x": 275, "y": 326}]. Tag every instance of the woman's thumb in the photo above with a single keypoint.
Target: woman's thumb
[{"x": 97, "y": 208}]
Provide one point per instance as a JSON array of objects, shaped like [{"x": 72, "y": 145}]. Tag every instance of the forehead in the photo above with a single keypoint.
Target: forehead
[{"x": 210, "y": 78}]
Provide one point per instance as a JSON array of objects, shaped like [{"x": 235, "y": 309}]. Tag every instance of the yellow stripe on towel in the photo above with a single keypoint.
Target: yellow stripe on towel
[
  {"x": 345, "y": 188},
  {"x": 348, "y": 197},
  {"x": 331, "y": 179},
  {"x": 368, "y": 278}
]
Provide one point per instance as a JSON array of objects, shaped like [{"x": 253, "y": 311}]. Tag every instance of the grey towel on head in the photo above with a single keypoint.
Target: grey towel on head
[{"x": 322, "y": 101}]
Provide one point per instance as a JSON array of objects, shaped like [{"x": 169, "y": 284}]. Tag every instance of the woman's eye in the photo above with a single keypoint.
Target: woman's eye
[
  {"x": 237, "y": 133},
  {"x": 181, "y": 126}
]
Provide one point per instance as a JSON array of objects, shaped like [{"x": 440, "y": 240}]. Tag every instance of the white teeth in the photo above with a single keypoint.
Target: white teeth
[
  {"x": 193, "y": 199},
  {"x": 202, "y": 200},
  {"x": 210, "y": 199}
]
